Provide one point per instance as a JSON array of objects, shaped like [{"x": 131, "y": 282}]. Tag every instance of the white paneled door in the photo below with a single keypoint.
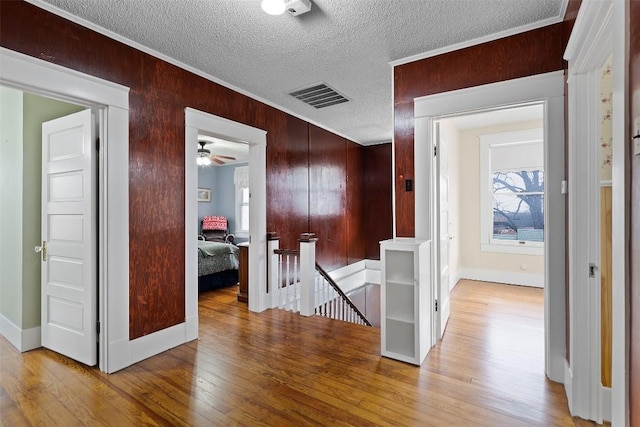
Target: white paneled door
[
  {"x": 69, "y": 278},
  {"x": 442, "y": 232}
]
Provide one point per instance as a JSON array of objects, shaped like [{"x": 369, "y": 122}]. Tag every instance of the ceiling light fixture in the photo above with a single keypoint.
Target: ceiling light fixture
[
  {"x": 203, "y": 155},
  {"x": 273, "y": 7}
]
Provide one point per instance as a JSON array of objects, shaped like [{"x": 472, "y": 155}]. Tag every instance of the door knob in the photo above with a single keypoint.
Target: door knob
[{"x": 42, "y": 249}]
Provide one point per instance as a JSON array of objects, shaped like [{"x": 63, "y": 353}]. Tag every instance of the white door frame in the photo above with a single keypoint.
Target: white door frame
[
  {"x": 112, "y": 101},
  {"x": 599, "y": 31},
  {"x": 548, "y": 88},
  {"x": 219, "y": 127}
]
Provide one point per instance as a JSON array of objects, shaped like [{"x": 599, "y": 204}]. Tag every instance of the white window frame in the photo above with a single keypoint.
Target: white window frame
[
  {"x": 487, "y": 243},
  {"x": 241, "y": 180}
]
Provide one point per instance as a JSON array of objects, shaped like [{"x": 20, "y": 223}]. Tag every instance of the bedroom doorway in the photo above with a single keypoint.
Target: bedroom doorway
[
  {"x": 547, "y": 89},
  {"x": 218, "y": 129},
  {"x": 488, "y": 205},
  {"x": 223, "y": 213}
]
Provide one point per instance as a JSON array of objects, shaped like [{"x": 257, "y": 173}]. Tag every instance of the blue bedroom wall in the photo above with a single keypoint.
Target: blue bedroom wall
[{"x": 220, "y": 180}]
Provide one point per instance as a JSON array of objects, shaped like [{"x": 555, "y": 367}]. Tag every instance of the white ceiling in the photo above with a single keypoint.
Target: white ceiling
[
  {"x": 222, "y": 147},
  {"x": 348, "y": 44}
]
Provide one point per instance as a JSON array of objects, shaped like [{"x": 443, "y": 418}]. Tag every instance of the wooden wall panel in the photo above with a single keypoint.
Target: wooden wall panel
[
  {"x": 156, "y": 219},
  {"x": 327, "y": 196},
  {"x": 634, "y": 256},
  {"x": 355, "y": 202},
  {"x": 159, "y": 92},
  {"x": 378, "y": 187},
  {"x": 534, "y": 52},
  {"x": 287, "y": 179}
]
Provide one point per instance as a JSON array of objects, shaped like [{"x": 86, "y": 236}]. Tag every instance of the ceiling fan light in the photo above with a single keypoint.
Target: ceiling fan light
[
  {"x": 273, "y": 7},
  {"x": 205, "y": 161}
]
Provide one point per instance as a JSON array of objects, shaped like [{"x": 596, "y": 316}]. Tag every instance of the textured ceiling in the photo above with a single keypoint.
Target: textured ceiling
[{"x": 346, "y": 43}]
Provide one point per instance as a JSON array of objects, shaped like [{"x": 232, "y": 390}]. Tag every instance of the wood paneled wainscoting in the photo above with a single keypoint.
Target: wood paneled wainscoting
[{"x": 277, "y": 368}]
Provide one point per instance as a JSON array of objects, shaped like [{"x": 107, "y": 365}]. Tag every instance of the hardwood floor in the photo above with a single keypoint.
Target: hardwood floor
[{"x": 277, "y": 369}]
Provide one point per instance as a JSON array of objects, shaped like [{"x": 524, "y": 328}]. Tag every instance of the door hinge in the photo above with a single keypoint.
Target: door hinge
[
  {"x": 592, "y": 269},
  {"x": 97, "y": 144},
  {"x": 435, "y": 151},
  {"x": 436, "y": 305},
  {"x": 98, "y": 327}
]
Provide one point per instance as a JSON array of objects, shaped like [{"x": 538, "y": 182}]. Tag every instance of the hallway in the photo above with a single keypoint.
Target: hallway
[{"x": 278, "y": 368}]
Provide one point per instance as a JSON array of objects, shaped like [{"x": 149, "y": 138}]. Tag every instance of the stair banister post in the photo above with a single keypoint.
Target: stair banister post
[
  {"x": 273, "y": 290},
  {"x": 307, "y": 273}
]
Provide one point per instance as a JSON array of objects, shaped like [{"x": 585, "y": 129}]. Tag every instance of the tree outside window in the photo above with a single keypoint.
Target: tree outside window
[
  {"x": 518, "y": 205},
  {"x": 512, "y": 192}
]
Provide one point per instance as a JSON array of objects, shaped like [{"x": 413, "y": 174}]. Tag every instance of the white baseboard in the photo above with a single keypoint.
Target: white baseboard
[
  {"x": 23, "y": 340},
  {"x": 157, "y": 342},
  {"x": 118, "y": 355},
  {"x": 31, "y": 338},
  {"x": 511, "y": 278},
  {"x": 357, "y": 274},
  {"x": 568, "y": 385},
  {"x": 191, "y": 326},
  {"x": 605, "y": 398},
  {"x": 11, "y": 332},
  {"x": 453, "y": 280},
  {"x": 373, "y": 268}
]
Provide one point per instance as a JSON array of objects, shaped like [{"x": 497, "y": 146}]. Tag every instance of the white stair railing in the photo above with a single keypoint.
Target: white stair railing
[
  {"x": 287, "y": 284},
  {"x": 297, "y": 283},
  {"x": 333, "y": 303}
]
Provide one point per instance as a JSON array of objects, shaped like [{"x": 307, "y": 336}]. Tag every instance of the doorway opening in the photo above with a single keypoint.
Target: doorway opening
[
  {"x": 111, "y": 100},
  {"x": 489, "y": 200},
  {"x": 49, "y": 233},
  {"x": 545, "y": 89},
  {"x": 223, "y": 213},
  {"x": 220, "y": 129}
]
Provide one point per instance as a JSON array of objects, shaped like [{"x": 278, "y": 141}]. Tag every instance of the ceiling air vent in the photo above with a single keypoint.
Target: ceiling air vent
[{"x": 319, "y": 96}]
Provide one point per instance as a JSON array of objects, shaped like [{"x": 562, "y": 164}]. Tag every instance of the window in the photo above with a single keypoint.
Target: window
[
  {"x": 241, "y": 180},
  {"x": 512, "y": 192}
]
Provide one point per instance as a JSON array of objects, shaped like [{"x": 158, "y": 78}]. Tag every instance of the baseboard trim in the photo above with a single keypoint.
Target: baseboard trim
[
  {"x": 453, "y": 280},
  {"x": 22, "y": 339},
  {"x": 605, "y": 399},
  {"x": 568, "y": 385},
  {"x": 31, "y": 338},
  {"x": 157, "y": 342},
  {"x": 511, "y": 278},
  {"x": 191, "y": 327},
  {"x": 357, "y": 274},
  {"x": 11, "y": 332},
  {"x": 118, "y": 355}
]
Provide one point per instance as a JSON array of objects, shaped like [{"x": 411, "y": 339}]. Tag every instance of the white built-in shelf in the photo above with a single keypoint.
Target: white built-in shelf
[{"x": 405, "y": 299}]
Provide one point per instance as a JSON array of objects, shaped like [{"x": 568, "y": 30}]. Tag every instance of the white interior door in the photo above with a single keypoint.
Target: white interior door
[
  {"x": 69, "y": 279},
  {"x": 442, "y": 232}
]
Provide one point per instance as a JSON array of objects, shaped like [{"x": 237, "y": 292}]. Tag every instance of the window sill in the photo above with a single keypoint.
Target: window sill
[{"x": 512, "y": 249}]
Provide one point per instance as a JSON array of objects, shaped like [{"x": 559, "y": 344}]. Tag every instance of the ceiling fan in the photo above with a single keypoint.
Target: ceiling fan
[{"x": 205, "y": 157}]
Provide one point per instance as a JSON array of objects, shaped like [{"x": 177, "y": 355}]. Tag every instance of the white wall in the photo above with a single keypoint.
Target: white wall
[
  {"x": 473, "y": 261},
  {"x": 11, "y": 130}
]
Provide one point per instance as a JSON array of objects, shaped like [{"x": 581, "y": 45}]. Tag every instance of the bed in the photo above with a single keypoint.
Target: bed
[{"x": 217, "y": 265}]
